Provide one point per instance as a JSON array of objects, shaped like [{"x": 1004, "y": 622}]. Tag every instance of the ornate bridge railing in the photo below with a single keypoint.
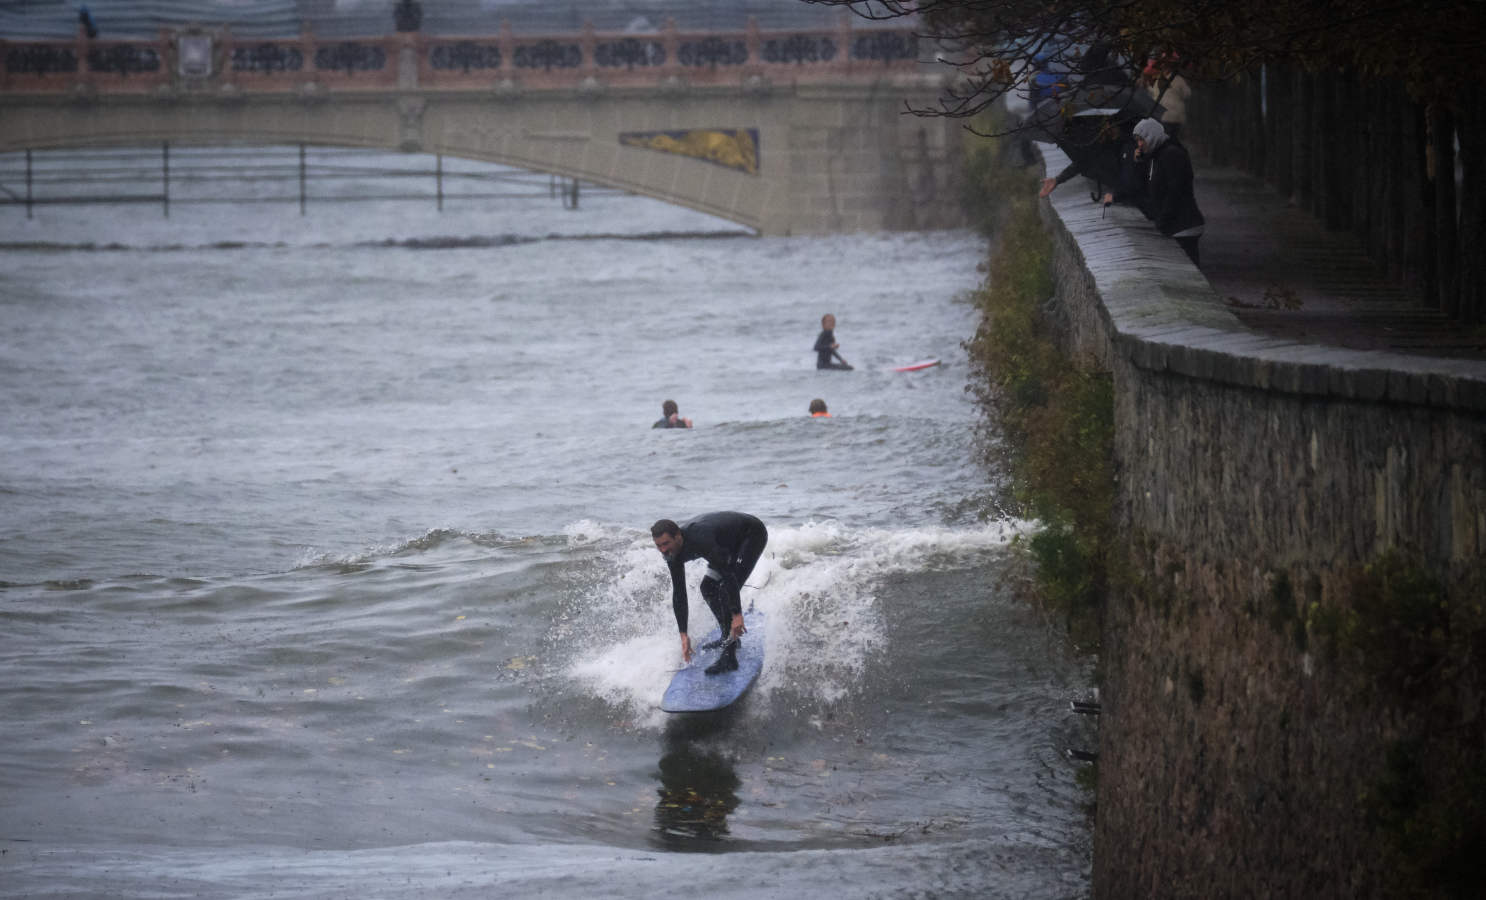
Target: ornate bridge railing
[{"x": 213, "y": 59}]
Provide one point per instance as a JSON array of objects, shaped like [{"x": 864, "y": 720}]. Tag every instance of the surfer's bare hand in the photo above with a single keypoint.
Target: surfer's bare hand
[{"x": 686, "y": 647}]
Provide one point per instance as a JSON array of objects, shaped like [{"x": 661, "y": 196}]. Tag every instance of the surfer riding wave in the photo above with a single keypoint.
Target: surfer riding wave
[{"x": 731, "y": 543}]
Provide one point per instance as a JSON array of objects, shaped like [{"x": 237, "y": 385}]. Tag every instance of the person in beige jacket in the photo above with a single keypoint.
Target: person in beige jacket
[{"x": 1171, "y": 91}]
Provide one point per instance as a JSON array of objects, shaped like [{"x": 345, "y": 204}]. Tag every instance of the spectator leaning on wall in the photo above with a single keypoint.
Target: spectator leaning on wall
[{"x": 1161, "y": 185}]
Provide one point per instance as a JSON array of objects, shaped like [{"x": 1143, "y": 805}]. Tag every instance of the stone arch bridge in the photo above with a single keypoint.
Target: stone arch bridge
[{"x": 784, "y": 132}]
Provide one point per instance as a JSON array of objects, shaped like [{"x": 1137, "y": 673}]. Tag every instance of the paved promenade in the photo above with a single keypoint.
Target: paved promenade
[
  {"x": 1261, "y": 252},
  {"x": 1341, "y": 329}
]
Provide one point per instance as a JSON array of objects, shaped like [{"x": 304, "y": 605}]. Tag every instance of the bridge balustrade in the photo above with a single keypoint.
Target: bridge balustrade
[{"x": 218, "y": 60}]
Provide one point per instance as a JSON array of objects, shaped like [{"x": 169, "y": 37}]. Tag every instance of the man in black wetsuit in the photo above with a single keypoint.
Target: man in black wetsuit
[
  {"x": 825, "y": 345},
  {"x": 731, "y": 543}
]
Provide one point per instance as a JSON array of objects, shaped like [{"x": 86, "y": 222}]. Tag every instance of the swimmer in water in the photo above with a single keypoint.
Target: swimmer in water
[{"x": 670, "y": 417}]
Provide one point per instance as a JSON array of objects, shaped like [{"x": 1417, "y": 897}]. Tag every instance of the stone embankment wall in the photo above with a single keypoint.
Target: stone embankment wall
[{"x": 1255, "y": 475}]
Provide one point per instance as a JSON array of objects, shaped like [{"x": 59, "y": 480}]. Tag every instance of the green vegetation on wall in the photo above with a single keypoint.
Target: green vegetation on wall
[
  {"x": 1056, "y": 421},
  {"x": 1402, "y": 636},
  {"x": 1399, "y": 652}
]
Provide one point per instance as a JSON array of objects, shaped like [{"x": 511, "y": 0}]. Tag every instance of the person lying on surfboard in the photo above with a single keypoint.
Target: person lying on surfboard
[
  {"x": 825, "y": 345},
  {"x": 731, "y": 543}
]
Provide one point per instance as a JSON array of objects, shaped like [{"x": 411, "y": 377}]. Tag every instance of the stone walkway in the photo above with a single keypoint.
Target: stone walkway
[
  {"x": 1282, "y": 273},
  {"x": 1338, "y": 329}
]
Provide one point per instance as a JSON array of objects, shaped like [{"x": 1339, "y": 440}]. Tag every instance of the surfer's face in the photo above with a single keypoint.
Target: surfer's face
[{"x": 668, "y": 544}]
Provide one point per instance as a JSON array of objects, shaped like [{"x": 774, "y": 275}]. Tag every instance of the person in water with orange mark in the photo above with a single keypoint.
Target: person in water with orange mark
[{"x": 818, "y": 409}]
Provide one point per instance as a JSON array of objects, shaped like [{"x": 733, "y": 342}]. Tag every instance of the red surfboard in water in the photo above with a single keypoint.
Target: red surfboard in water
[{"x": 914, "y": 367}]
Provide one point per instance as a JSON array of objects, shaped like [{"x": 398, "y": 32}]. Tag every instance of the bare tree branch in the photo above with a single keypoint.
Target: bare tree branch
[{"x": 997, "y": 46}]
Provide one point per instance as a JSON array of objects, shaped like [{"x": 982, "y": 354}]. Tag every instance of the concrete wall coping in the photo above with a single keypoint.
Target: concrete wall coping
[{"x": 1163, "y": 315}]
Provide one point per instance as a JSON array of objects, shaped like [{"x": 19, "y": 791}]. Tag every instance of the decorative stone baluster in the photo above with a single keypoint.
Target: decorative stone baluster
[
  {"x": 507, "y": 47},
  {"x": 843, "y": 44},
  {"x": 588, "y": 78},
  {"x": 406, "y": 47},
  {"x": 307, "y": 46},
  {"x": 505, "y": 75},
  {"x": 670, "y": 72},
  {"x": 754, "y": 79},
  {"x": 589, "y": 67},
  {"x": 226, "y": 75},
  {"x": 85, "y": 81},
  {"x": 751, "y": 40}
]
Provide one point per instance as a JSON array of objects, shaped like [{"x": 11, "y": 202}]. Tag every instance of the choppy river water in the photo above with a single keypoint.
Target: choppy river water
[{"x": 325, "y": 571}]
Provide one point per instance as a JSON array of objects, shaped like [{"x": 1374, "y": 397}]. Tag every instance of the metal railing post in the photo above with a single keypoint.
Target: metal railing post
[{"x": 165, "y": 177}]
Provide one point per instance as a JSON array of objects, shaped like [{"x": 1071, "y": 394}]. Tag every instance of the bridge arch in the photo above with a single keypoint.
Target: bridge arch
[{"x": 783, "y": 134}]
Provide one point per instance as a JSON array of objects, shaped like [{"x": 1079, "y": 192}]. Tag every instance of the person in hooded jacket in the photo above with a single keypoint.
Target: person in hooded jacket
[{"x": 1161, "y": 185}]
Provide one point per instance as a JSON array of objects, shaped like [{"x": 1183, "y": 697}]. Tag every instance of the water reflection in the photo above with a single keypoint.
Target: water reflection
[{"x": 698, "y": 790}]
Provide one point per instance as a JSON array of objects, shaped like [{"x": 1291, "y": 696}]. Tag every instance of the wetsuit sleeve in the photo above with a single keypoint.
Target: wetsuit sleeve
[
  {"x": 824, "y": 341},
  {"x": 678, "y": 593}
]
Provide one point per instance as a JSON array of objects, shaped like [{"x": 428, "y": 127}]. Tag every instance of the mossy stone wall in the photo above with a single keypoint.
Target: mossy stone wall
[{"x": 1245, "y": 749}]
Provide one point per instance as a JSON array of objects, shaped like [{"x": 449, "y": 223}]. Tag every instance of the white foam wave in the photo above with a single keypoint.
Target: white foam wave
[
  {"x": 816, "y": 585},
  {"x": 587, "y": 532}
]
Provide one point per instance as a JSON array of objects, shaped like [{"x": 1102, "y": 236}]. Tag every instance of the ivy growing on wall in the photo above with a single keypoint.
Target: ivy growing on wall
[{"x": 1055, "y": 421}]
